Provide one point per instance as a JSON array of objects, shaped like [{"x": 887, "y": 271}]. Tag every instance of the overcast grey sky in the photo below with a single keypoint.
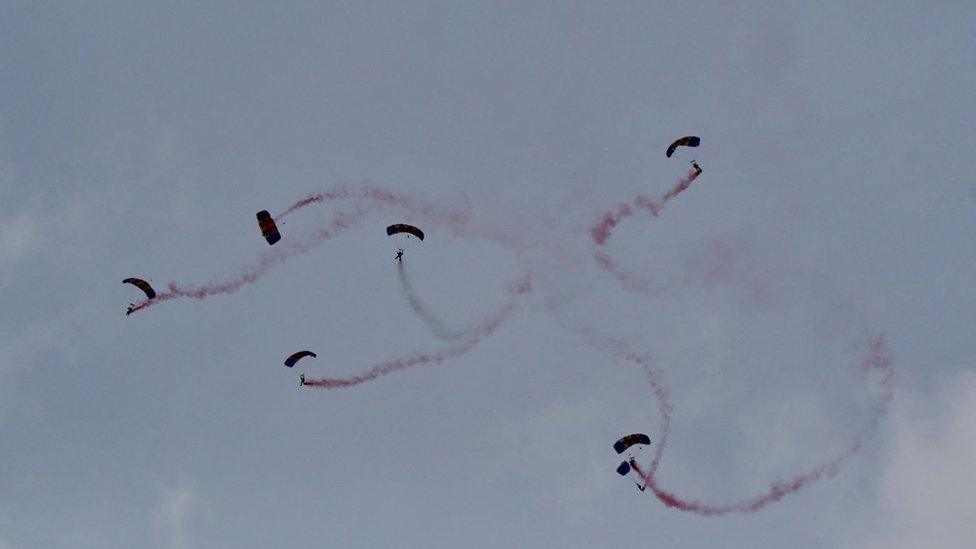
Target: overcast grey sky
[{"x": 139, "y": 139}]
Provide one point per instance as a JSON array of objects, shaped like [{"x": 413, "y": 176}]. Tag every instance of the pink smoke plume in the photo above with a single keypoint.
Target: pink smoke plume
[
  {"x": 488, "y": 327},
  {"x": 878, "y": 361}
]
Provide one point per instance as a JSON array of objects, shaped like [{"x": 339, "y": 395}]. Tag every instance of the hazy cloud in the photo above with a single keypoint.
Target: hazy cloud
[
  {"x": 927, "y": 494},
  {"x": 174, "y": 513}
]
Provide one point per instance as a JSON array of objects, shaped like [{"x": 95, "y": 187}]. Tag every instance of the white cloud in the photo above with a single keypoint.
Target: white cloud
[
  {"x": 174, "y": 512},
  {"x": 927, "y": 493}
]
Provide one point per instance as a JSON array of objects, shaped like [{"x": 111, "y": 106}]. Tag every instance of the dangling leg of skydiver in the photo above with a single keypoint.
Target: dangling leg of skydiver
[{"x": 633, "y": 466}]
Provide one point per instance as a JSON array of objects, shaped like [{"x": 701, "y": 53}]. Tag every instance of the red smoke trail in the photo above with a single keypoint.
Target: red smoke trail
[
  {"x": 487, "y": 327},
  {"x": 334, "y": 194},
  {"x": 630, "y": 280},
  {"x": 371, "y": 200},
  {"x": 654, "y": 375},
  {"x": 878, "y": 361},
  {"x": 601, "y": 233},
  {"x": 367, "y": 200},
  {"x": 458, "y": 220},
  {"x": 881, "y": 365},
  {"x": 270, "y": 258},
  {"x": 655, "y": 378}
]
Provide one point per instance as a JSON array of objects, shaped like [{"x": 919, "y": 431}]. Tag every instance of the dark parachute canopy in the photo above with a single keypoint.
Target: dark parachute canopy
[
  {"x": 689, "y": 141},
  {"x": 404, "y": 228},
  {"x": 142, "y": 285},
  {"x": 268, "y": 227},
  {"x": 626, "y": 442},
  {"x": 290, "y": 361}
]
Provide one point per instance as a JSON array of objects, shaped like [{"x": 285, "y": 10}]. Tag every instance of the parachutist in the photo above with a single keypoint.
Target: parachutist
[
  {"x": 404, "y": 228},
  {"x": 697, "y": 167},
  {"x": 689, "y": 141},
  {"x": 626, "y": 442},
  {"x": 399, "y": 254},
  {"x": 132, "y": 307},
  {"x": 290, "y": 361},
  {"x": 301, "y": 380},
  {"x": 268, "y": 228},
  {"x": 142, "y": 285},
  {"x": 622, "y": 446}
]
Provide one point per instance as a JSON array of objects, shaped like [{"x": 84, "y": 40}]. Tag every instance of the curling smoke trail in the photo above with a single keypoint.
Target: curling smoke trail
[
  {"x": 369, "y": 200},
  {"x": 436, "y": 326},
  {"x": 601, "y": 233},
  {"x": 652, "y": 373},
  {"x": 366, "y": 201},
  {"x": 487, "y": 328},
  {"x": 339, "y": 193},
  {"x": 269, "y": 259},
  {"x": 878, "y": 363},
  {"x": 372, "y": 199}
]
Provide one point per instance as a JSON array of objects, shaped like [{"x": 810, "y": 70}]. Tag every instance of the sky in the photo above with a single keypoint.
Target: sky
[{"x": 836, "y": 204}]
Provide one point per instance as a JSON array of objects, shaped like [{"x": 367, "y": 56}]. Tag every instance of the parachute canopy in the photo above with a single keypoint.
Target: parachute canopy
[
  {"x": 290, "y": 361},
  {"x": 626, "y": 442},
  {"x": 404, "y": 228},
  {"x": 142, "y": 285},
  {"x": 689, "y": 141},
  {"x": 268, "y": 227},
  {"x": 623, "y": 468}
]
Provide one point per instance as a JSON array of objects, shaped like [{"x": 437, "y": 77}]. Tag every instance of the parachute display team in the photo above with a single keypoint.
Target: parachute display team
[{"x": 270, "y": 232}]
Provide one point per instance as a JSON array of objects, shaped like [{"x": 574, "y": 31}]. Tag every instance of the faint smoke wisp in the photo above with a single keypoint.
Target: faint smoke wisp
[
  {"x": 437, "y": 327},
  {"x": 487, "y": 327}
]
